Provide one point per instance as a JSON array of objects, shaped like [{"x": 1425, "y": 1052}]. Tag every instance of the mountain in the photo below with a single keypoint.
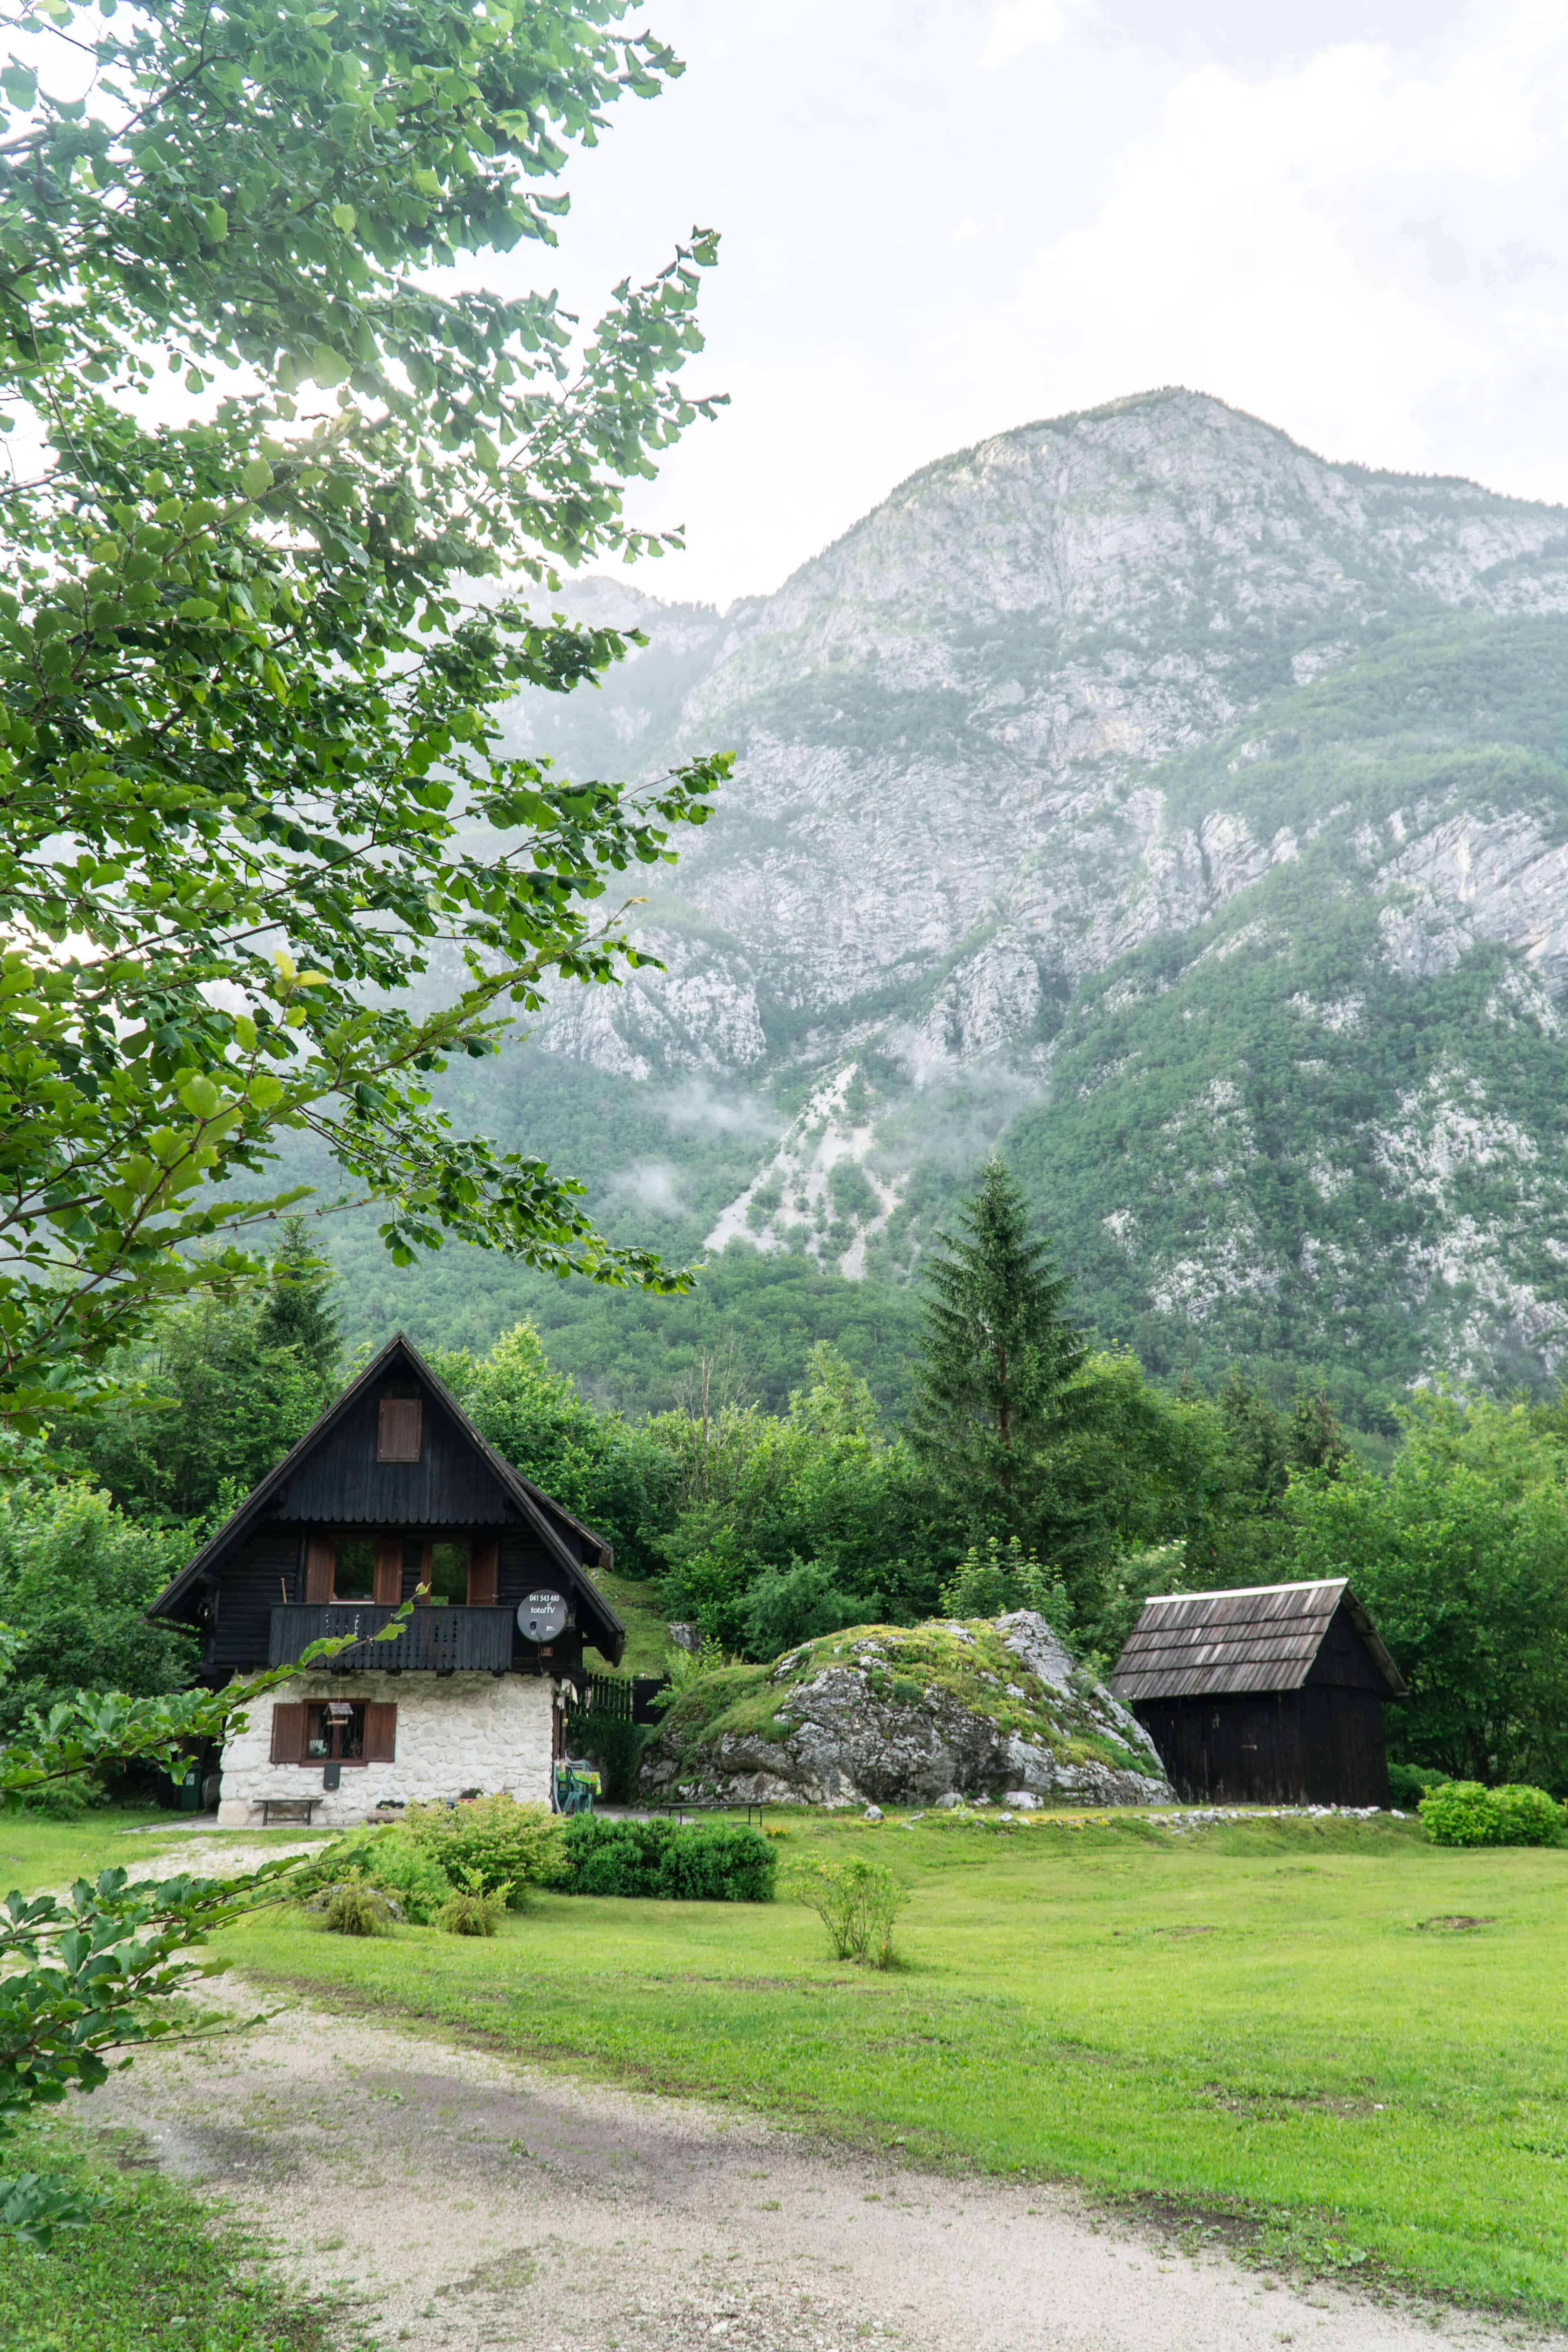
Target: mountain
[{"x": 1183, "y": 811}]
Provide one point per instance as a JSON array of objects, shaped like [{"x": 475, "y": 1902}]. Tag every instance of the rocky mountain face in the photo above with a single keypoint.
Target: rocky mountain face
[{"x": 1186, "y": 812}]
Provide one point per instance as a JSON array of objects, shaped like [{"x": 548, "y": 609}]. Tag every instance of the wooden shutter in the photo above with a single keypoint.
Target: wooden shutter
[
  {"x": 379, "y": 1733},
  {"x": 400, "y": 1430},
  {"x": 318, "y": 1568},
  {"x": 388, "y": 1571},
  {"x": 484, "y": 1567},
  {"x": 287, "y": 1733}
]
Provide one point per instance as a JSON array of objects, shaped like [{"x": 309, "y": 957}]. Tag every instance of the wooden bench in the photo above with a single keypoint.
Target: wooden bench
[{"x": 288, "y": 1809}]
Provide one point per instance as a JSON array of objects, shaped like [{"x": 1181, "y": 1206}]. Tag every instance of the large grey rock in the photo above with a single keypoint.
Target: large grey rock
[{"x": 883, "y": 1717}]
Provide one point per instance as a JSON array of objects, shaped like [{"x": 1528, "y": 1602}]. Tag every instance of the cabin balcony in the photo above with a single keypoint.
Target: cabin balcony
[{"x": 432, "y": 1639}]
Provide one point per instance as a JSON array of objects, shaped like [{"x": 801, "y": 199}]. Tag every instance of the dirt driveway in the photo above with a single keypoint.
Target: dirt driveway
[{"x": 473, "y": 2203}]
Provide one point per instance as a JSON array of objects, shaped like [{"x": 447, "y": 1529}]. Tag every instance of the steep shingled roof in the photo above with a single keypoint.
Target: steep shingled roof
[{"x": 1263, "y": 1638}]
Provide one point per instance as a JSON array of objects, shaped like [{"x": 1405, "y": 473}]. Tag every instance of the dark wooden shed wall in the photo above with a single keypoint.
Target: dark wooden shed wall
[{"x": 1320, "y": 1744}]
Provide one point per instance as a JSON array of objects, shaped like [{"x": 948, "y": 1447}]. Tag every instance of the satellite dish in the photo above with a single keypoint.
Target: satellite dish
[{"x": 542, "y": 1616}]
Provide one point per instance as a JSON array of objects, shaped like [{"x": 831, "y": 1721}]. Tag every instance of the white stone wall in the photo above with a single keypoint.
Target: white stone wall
[{"x": 454, "y": 1732}]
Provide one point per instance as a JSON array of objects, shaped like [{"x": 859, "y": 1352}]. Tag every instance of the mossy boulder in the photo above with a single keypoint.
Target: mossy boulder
[{"x": 893, "y": 1714}]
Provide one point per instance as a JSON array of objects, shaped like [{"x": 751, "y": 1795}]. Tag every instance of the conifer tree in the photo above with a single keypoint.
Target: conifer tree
[
  {"x": 998, "y": 1380},
  {"x": 300, "y": 1312}
]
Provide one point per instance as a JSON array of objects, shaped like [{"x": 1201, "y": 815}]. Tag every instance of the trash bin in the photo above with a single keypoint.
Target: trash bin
[{"x": 190, "y": 1790}]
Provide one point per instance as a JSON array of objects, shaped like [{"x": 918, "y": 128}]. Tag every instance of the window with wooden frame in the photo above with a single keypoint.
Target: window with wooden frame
[
  {"x": 400, "y": 1429},
  {"x": 354, "y": 1567},
  {"x": 334, "y": 1731},
  {"x": 462, "y": 1572}
]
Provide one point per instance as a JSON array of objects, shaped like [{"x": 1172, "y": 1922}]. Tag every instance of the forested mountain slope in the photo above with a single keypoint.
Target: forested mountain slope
[{"x": 1182, "y": 810}]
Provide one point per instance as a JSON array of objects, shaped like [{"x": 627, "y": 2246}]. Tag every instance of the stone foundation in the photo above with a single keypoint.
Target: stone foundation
[{"x": 455, "y": 1732}]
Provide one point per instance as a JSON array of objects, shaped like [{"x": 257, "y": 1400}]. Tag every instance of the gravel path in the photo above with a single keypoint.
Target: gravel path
[{"x": 476, "y": 2205}]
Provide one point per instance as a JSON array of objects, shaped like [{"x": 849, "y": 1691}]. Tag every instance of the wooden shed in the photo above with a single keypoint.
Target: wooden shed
[{"x": 1272, "y": 1695}]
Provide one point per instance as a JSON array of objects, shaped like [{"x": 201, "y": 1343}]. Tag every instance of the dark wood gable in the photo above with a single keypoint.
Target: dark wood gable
[{"x": 344, "y": 1480}]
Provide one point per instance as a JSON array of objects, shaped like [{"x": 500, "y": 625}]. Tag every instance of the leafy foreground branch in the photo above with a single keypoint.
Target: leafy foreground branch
[
  {"x": 264, "y": 866},
  {"x": 113, "y": 1966}
]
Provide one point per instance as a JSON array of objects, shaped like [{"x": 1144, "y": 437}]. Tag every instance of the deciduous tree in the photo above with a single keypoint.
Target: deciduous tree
[{"x": 250, "y": 781}]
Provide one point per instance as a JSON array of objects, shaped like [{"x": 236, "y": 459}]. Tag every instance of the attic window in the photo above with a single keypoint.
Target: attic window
[{"x": 400, "y": 1433}]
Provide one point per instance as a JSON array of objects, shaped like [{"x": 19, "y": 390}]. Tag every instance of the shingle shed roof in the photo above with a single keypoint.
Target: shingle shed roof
[{"x": 1266, "y": 1638}]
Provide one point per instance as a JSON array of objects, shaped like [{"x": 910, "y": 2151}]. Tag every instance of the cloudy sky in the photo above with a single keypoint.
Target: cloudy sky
[{"x": 945, "y": 217}]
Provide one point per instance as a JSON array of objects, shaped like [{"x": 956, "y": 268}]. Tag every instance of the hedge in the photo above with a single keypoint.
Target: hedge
[
  {"x": 1464, "y": 1812},
  {"x": 719, "y": 1863}
]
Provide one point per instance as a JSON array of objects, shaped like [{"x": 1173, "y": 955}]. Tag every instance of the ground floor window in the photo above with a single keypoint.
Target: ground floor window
[{"x": 334, "y": 1729}]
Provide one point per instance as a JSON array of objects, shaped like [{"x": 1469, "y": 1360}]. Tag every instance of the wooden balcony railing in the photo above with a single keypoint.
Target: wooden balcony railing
[{"x": 433, "y": 1641}]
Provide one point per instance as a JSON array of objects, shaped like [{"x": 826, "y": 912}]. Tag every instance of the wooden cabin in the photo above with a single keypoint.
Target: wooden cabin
[
  {"x": 1271, "y": 1695},
  {"x": 394, "y": 1488}
]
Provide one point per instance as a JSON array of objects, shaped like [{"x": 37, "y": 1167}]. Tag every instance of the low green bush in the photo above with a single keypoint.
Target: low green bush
[
  {"x": 389, "y": 1859},
  {"x": 1459, "y": 1813},
  {"x": 354, "y": 1908},
  {"x": 472, "y": 1909},
  {"x": 1408, "y": 1783},
  {"x": 1464, "y": 1812},
  {"x": 856, "y": 1901},
  {"x": 503, "y": 1843},
  {"x": 1527, "y": 1816},
  {"x": 721, "y": 1861}
]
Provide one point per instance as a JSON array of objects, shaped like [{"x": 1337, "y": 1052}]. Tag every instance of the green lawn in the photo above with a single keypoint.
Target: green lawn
[
  {"x": 36, "y": 1852},
  {"x": 151, "y": 2274},
  {"x": 648, "y": 1631},
  {"x": 1264, "y": 2020}
]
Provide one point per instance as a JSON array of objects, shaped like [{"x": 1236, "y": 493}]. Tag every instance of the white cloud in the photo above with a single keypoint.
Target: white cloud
[
  {"x": 1343, "y": 249},
  {"x": 1020, "y": 25},
  {"x": 1354, "y": 237}
]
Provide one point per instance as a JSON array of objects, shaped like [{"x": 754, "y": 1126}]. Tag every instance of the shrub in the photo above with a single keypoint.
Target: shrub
[
  {"x": 1526, "y": 1816},
  {"x": 1459, "y": 1814},
  {"x": 1463, "y": 1812},
  {"x": 616, "y": 1745},
  {"x": 64, "y": 1801},
  {"x": 719, "y": 1863},
  {"x": 857, "y": 1902},
  {"x": 354, "y": 1908},
  {"x": 473, "y": 1909},
  {"x": 505, "y": 1843},
  {"x": 1408, "y": 1783},
  {"x": 993, "y": 1583},
  {"x": 785, "y": 1606},
  {"x": 390, "y": 1860}
]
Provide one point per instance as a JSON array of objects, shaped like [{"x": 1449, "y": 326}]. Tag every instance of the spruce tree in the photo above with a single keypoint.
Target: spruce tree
[
  {"x": 299, "y": 1312},
  {"x": 998, "y": 1378}
]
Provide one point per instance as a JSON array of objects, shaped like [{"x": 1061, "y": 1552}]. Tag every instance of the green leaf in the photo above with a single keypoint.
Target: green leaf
[
  {"x": 201, "y": 1098},
  {"x": 328, "y": 366},
  {"x": 256, "y": 475}
]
